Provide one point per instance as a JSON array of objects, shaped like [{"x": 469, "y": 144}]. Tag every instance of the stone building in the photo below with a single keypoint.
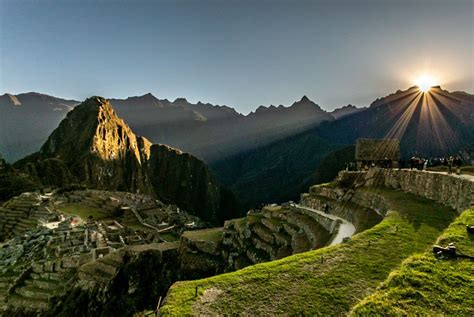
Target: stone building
[{"x": 381, "y": 153}]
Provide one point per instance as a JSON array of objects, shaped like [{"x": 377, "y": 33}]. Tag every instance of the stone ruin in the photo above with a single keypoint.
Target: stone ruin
[
  {"x": 43, "y": 249},
  {"x": 40, "y": 266}
]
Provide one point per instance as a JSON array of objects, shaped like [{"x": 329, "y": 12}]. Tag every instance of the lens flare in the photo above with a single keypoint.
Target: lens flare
[{"x": 425, "y": 82}]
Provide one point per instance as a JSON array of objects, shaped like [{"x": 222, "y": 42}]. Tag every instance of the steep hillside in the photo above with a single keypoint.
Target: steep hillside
[
  {"x": 92, "y": 146},
  {"x": 435, "y": 123},
  {"x": 279, "y": 171},
  {"x": 26, "y": 120},
  {"x": 327, "y": 281}
]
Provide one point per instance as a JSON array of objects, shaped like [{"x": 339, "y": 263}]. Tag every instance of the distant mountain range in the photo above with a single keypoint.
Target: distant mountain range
[
  {"x": 437, "y": 123},
  {"x": 214, "y": 132},
  {"x": 207, "y": 131},
  {"x": 271, "y": 154},
  {"x": 26, "y": 120}
]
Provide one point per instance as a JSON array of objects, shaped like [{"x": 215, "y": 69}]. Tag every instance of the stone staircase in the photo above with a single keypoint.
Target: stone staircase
[
  {"x": 32, "y": 289},
  {"x": 103, "y": 269}
]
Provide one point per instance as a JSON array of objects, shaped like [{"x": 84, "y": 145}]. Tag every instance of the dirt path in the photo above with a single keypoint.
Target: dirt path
[{"x": 346, "y": 230}]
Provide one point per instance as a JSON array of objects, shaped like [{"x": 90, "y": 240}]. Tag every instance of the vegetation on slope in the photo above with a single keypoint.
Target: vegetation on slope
[
  {"x": 328, "y": 281},
  {"x": 13, "y": 182},
  {"x": 280, "y": 171},
  {"x": 426, "y": 286}
]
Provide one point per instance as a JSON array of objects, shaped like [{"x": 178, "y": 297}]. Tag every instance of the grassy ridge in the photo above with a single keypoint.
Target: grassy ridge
[
  {"x": 426, "y": 286},
  {"x": 328, "y": 281}
]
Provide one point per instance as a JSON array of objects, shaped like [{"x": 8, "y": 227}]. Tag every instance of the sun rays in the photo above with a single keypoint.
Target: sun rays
[
  {"x": 421, "y": 118},
  {"x": 425, "y": 82}
]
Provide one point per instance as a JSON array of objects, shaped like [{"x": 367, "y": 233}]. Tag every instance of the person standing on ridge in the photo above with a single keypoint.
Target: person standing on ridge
[
  {"x": 457, "y": 163},
  {"x": 450, "y": 165}
]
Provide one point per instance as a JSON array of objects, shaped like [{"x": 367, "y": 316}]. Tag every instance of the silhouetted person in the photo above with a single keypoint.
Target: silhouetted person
[
  {"x": 450, "y": 164},
  {"x": 457, "y": 163},
  {"x": 412, "y": 162}
]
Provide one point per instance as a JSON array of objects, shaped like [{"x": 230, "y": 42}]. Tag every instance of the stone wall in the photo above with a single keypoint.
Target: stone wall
[
  {"x": 273, "y": 233},
  {"x": 450, "y": 190},
  {"x": 362, "y": 209}
]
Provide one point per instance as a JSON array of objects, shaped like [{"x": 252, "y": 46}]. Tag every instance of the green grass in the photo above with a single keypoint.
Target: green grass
[
  {"x": 324, "y": 282},
  {"x": 169, "y": 237},
  {"x": 213, "y": 234},
  {"x": 426, "y": 286},
  {"x": 82, "y": 211}
]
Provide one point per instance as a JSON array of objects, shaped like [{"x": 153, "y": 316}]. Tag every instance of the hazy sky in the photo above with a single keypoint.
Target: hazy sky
[{"x": 239, "y": 53}]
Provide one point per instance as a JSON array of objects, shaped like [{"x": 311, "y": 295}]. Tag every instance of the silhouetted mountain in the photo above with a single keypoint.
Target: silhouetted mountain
[
  {"x": 26, "y": 120},
  {"x": 434, "y": 123},
  {"x": 345, "y": 111},
  {"x": 207, "y": 131},
  {"x": 213, "y": 132},
  {"x": 93, "y": 147}
]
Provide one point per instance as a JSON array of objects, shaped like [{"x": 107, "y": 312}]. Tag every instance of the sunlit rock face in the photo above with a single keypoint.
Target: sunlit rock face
[
  {"x": 94, "y": 147},
  {"x": 98, "y": 148}
]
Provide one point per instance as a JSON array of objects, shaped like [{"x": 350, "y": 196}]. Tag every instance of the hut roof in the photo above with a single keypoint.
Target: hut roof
[{"x": 377, "y": 150}]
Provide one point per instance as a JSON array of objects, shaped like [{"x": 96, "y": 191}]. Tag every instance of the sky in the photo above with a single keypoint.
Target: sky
[{"x": 239, "y": 53}]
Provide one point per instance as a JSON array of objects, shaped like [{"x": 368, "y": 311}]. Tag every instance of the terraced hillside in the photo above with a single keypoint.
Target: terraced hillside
[{"x": 327, "y": 281}]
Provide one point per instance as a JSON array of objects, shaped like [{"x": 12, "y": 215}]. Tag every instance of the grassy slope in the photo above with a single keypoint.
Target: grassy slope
[
  {"x": 426, "y": 286},
  {"x": 305, "y": 284},
  {"x": 83, "y": 211}
]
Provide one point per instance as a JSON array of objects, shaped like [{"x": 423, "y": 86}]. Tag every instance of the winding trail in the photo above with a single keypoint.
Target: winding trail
[{"x": 345, "y": 229}]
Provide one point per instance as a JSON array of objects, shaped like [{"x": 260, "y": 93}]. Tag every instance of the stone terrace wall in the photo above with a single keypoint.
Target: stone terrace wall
[{"x": 449, "y": 190}]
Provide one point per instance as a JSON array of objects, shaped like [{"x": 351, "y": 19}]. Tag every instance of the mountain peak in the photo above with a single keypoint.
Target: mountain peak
[
  {"x": 93, "y": 128},
  {"x": 180, "y": 100},
  {"x": 13, "y": 99},
  {"x": 304, "y": 99}
]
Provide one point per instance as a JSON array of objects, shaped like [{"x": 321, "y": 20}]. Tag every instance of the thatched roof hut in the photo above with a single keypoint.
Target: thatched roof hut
[{"x": 377, "y": 150}]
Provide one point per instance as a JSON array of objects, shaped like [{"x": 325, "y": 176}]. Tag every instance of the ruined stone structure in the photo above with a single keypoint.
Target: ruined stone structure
[
  {"x": 46, "y": 253},
  {"x": 107, "y": 267},
  {"x": 24, "y": 213},
  {"x": 450, "y": 190}
]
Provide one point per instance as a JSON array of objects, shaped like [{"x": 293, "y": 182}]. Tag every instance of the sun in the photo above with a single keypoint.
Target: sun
[{"x": 425, "y": 82}]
